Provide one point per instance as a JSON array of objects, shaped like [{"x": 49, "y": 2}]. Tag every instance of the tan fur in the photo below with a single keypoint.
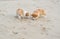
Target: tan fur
[
  {"x": 20, "y": 12},
  {"x": 34, "y": 15},
  {"x": 41, "y": 11},
  {"x": 27, "y": 14},
  {"x": 37, "y": 13}
]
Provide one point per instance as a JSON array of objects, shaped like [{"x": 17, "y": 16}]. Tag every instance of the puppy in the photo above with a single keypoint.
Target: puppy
[
  {"x": 38, "y": 13},
  {"x": 20, "y": 13}
]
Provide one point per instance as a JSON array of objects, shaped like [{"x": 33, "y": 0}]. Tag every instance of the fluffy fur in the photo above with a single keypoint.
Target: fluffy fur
[
  {"x": 20, "y": 13},
  {"x": 38, "y": 13}
]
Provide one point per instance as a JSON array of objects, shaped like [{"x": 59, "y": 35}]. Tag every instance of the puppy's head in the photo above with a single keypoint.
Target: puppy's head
[
  {"x": 27, "y": 14},
  {"x": 34, "y": 15}
]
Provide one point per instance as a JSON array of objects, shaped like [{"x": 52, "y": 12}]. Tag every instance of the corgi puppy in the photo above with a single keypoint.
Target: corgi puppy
[
  {"x": 38, "y": 13},
  {"x": 20, "y": 13}
]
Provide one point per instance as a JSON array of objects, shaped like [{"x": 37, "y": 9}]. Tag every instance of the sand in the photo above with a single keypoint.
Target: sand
[{"x": 43, "y": 28}]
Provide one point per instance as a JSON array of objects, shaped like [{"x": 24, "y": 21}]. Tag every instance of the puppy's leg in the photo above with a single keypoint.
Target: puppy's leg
[
  {"x": 18, "y": 16},
  {"x": 36, "y": 18},
  {"x": 22, "y": 17}
]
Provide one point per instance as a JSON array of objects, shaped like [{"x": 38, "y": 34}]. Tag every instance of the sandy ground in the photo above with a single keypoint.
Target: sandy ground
[{"x": 43, "y": 28}]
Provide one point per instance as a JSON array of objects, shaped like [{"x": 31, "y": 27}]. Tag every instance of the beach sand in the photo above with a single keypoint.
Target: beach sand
[{"x": 43, "y": 28}]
